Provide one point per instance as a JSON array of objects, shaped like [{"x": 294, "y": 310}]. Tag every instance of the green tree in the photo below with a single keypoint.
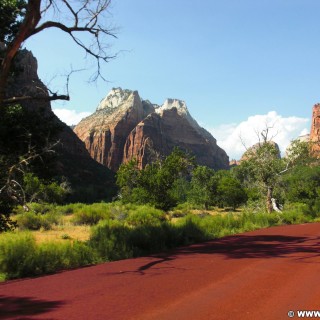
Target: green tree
[
  {"x": 203, "y": 186},
  {"x": 127, "y": 179},
  {"x": 264, "y": 168},
  {"x": 230, "y": 192},
  {"x": 302, "y": 184},
  {"x": 157, "y": 182},
  {"x": 12, "y": 14}
]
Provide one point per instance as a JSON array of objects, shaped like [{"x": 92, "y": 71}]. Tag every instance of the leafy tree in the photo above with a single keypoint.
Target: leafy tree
[
  {"x": 12, "y": 14},
  {"x": 203, "y": 186},
  {"x": 41, "y": 191},
  {"x": 302, "y": 184},
  {"x": 156, "y": 183},
  {"x": 264, "y": 167},
  {"x": 230, "y": 192},
  {"x": 128, "y": 176}
]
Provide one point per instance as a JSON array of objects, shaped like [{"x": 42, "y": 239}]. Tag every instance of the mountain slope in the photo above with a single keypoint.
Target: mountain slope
[{"x": 125, "y": 127}]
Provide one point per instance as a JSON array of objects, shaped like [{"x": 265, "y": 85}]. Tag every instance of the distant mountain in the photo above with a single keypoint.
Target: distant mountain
[{"x": 125, "y": 127}]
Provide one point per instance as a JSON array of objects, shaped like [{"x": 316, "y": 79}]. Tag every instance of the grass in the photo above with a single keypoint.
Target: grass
[{"x": 64, "y": 237}]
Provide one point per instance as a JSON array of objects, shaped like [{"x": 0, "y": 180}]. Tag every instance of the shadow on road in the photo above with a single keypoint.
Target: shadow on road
[
  {"x": 256, "y": 246},
  {"x": 22, "y": 307},
  {"x": 244, "y": 247}
]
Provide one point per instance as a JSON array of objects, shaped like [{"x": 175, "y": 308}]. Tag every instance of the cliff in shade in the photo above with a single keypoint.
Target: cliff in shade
[
  {"x": 315, "y": 131},
  {"x": 90, "y": 181},
  {"x": 125, "y": 127}
]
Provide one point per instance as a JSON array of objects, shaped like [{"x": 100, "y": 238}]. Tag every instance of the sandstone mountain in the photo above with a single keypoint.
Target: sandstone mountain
[
  {"x": 315, "y": 130},
  {"x": 125, "y": 127},
  {"x": 90, "y": 181}
]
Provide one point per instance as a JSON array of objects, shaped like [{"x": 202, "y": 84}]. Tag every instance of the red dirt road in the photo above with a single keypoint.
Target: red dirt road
[{"x": 256, "y": 275}]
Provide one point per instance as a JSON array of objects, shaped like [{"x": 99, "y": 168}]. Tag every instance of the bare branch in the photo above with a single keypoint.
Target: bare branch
[{"x": 44, "y": 98}]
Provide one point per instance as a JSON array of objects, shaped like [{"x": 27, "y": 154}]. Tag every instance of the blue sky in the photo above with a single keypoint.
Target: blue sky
[{"x": 236, "y": 63}]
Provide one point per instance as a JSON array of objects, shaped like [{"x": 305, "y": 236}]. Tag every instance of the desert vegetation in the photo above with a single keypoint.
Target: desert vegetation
[{"x": 170, "y": 203}]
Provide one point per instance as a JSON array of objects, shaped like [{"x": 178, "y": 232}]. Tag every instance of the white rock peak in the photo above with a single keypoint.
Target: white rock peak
[
  {"x": 114, "y": 98},
  {"x": 174, "y": 103}
]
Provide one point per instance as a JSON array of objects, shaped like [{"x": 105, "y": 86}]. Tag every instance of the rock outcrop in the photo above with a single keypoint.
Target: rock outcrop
[
  {"x": 72, "y": 160},
  {"x": 125, "y": 127},
  {"x": 253, "y": 149},
  {"x": 315, "y": 131}
]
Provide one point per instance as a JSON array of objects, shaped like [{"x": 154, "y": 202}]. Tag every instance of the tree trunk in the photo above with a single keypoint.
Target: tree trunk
[{"x": 269, "y": 201}]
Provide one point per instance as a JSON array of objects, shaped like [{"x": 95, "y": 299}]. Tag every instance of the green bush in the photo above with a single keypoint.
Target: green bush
[
  {"x": 34, "y": 221},
  {"x": 145, "y": 215},
  {"x": 17, "y": 251},
  {"x": 296, "y": 213},
  {"x": 92, "y": 214},
  {"x": 110, "y": 240},
  {"x": 21, "y": 257},
  {"x": 53, "y": 256}
]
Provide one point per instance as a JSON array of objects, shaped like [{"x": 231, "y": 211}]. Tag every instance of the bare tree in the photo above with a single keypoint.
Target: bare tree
[{"x": 78, "y": 19}]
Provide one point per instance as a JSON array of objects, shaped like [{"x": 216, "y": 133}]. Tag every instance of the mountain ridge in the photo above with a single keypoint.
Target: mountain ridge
[{"x": 124, "y": 127}]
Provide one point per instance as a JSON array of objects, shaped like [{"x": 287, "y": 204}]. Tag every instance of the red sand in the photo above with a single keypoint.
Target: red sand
[{"x": 256, "y": 275}]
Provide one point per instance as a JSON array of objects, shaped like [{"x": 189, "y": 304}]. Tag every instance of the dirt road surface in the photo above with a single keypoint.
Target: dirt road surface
[{"x": 255, "y": 275}]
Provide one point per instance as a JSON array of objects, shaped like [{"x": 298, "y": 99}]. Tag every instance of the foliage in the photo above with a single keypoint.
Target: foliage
[
  {"x": 263, "y": 168},
  {"x": 302, "y": 185},
  {"x": 230, "y": 192},
  {"x": 12, "y": 14},
  {"x": 299, "y": 153},
  {"x": 16, "y": 254},
  {"x": 203, "y": 186},
  {"x": 35, "y": 221},
  {"x": 156, "y": 183},
  {"x": 38, "y": 190},
  {"x": 143, "y": 230},
  {"x": 145, "y": 215},
  {"x": 109, "y": 239},
  {"x": 20, "y": 256},
  {"x": 23, "y": 135},
  {"x": 92, "y": 214}
]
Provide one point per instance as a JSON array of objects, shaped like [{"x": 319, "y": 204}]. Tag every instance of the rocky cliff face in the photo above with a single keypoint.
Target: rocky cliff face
[
  {"x": 105, "y": 132},
  {"x": 315, "y": 130},
  {"x": 125, "y": 127},
  {"x": 72, "y": 159}
]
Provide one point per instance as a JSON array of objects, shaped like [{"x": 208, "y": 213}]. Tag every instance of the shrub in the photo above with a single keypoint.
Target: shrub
[
  {"x": 145, "y": 215},
  {"x": 21, "y": 257},
  {"x": 33, "y": 221},
  {"x": 53, "y": 256},
  {"x": 296, "y": 213},
  {"x": 17, "y": 251},
  {"x": 92, "y": 214},
  {"x": 110, "y": 239}
]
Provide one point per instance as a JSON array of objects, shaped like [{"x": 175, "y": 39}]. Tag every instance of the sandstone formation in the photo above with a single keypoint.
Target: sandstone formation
[
  {"x": 72, "y": 160},
  {"x": 253, "y": 149},
  {"x": 125, "y": 127},
  {"x": 315, "y": 131}
]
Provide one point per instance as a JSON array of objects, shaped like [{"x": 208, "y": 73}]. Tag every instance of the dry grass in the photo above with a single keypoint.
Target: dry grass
[{"x": 62, "y": 233}]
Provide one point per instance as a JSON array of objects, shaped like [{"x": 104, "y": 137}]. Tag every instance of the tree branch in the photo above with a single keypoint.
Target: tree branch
[{"x": 44, "y": 98}]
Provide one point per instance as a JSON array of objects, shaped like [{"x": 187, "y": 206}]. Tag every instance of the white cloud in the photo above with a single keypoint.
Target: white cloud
[
  {"x": 70, "y": 117},
  {"x": 284, "y": 130}
]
